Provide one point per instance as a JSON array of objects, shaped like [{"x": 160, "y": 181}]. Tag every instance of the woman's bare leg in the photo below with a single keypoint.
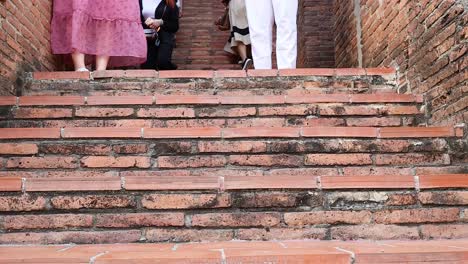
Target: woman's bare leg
[
  {"x": 242, "y": 50},
  {"x": 78, "y": 60},
  {"x": 101, "y": 62}
]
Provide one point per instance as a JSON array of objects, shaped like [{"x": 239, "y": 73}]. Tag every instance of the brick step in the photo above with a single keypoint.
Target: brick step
[
  {"x": 222, "y": 82},
  {"x": 185, "y": 209},
  {"x": 203, "y": 111},
  {"x": 245, "y": 151},
  {"x": 172, "y": 181},
  {"x": 293, "y": 251}
]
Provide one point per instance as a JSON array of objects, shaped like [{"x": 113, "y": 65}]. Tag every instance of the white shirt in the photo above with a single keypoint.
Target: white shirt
[{"x": 149, "y": 8}]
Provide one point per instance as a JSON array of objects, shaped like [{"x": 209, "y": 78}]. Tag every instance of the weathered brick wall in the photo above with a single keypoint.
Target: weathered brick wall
[
  {"x": 24, "y": 41},
  {"x": 425, "y": 40},
  {"x": 345, "y": 34},
  {"x": 316, "y": 43}
]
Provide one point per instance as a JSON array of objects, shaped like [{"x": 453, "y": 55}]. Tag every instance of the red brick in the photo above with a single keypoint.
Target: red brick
[
  {"x": 205, "y": 132},
  {"x": 281, "y": 234},
  {"x": 228, "y": 147},
  {"x": 166, "y": 112},
  {"x": 115, "y": 162},
  {"x": 29, "y": 133},
  {"x": 22, "y": 203},
  {"x": 262, "y": 73},
  {"x": 228, "y": 112},
  {"x": 317, "y": 98},
  {"x": 415, "y": 132},
  {"x": 338, "y": 110},
  {"x": 187, "y": 100},
  {"x": 267, "y": 199},
  {"x": 307, "y": 72},
  {"x": 42, "y": 163},
  {"x": 108, "y": 74},
  {"x": 141, "y": 74},
  {"x": 185, "y": 201},
  {"x": 269, "y": 182},
  {"x": 444, "y": 198},
  {"x": 33, "y": 113},
  {"x": 350, "y": 71},
  {"x": 380, "y": 71},
  {"x": 351, "y": 132},
  {"x": 73, "y": 184},
  {"x": 120, "y": 100},
  {"x": 266, "y": 160},
  {"x": 399, "y": 199},
  {"x": 383, "y": 98},
  {"x": 412, "y": 159},
  {"x": 374, "y": 122},
  {"x": 130, "y": 149},
  {"x": 286, "y": 111},
  {"x": 18, "y": 148},
  {"x": 401, "y": 110},
  {"x": 376, "y": 171},
  {"x": 10, "y": 184},
  {"x": 186, "y": 74},
  {"x": 230, "y": 74},
  {"x": 444, "y": 231},
  {"x": 261, "y": 132},
  {"x": 327, "y": 217},
  {"x": 102, "y": 132},
  {"x": 172, "y": 182},
  {"x": 68, "y": 75},
  {"x": 367, "y": 182},
  {"x": 77, "y": 149},
  {"x": 259, "y": 219},
  {"x": 434, "y": 215},
  {"x": 139, "y": 219},
  {"x": 304, "y": 172},
  {"x": 374, "y": 232},
  {"x": 338, "y": 159},
  {"x": 103, "y": 112},
  {"x": 56, "y": 221},
  {"x": 191, "y": 162},
  {"x": 188, "y": 235},
  {"x": 51, "y": 100},
  {"x": 7, "y": 100},
  {"x": 92, "y": 202},
  {"x": 443, "y": 181},
  {"x": 80, "y": 237},
  {"x": 252, "y": 100}
]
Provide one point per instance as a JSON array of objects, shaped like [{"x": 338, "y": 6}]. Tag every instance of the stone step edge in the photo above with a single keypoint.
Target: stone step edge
[
  {"x": 208, "y": 99},
  {"x": 233, "y": 183},
  {"x": 211, "y": 74},
  {"x": 292, "y": 251},
  {"x": 229, "y": 133}
]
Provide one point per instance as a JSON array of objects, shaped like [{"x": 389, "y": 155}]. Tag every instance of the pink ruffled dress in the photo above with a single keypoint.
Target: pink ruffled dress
[{"x": 99, "y": 27}]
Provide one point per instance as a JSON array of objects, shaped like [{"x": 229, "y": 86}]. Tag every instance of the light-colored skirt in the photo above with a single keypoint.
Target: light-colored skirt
[
  {"x": 105, "y": 27},
  {"x": 239, "y": 25}
]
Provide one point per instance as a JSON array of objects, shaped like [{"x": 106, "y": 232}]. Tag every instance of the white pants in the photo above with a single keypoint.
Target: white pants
[{"x": 262, "y": 14}]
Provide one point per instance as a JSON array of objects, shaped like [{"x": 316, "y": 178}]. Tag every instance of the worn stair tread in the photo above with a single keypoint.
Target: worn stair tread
[
  {"x": 336, "y": 252},
  {"x": 231, "y": 182},
  {"x": 96, "y": 100},
  {"x": 215, "y": 132},
  {"x": 210, "y": 73}
]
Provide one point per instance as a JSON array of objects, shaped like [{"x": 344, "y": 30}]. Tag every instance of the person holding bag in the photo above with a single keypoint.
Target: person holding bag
[
  {"x": 235, "y": 20},
  {"x": 109, "y": 30},
  {"x": 160, "y": 22},
  {"x": 262, "y": 14}
]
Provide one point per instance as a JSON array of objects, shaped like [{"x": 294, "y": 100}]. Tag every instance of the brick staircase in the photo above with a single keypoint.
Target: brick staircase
[{"x": 191, "y": 156}]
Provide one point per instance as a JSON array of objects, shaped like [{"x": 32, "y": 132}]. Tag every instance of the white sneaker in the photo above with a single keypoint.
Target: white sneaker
[{"x": 82, "y": 70}]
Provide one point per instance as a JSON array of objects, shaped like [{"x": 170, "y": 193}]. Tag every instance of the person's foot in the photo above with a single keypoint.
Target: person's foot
[
  {"x": 247, "y": 64},
  {"x": 83, "y": 69}
]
